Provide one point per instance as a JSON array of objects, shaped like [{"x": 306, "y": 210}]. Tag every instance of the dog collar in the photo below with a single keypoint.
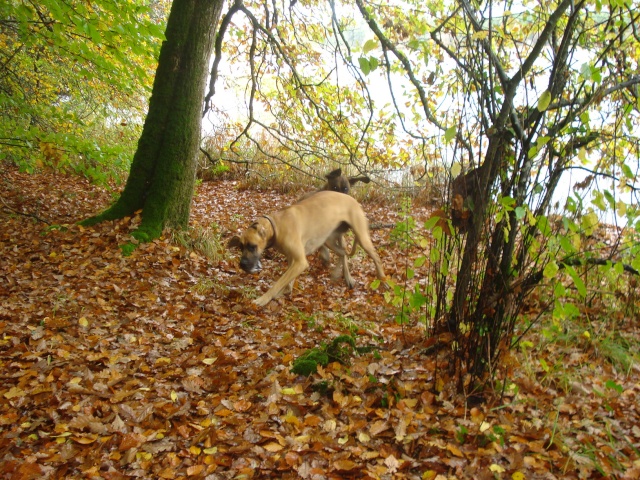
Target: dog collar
[{"x": 273, "y": 227}]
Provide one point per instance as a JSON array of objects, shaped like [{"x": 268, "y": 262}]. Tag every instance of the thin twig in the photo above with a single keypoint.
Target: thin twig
[{"x": 13, "y": 210}]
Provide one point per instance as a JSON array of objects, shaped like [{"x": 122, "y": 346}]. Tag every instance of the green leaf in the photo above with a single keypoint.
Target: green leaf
[
  {"x": 585, "y": 71},
  {"x": 577, "y": 281},
  {"x": 584, "y": 118},
  {"x": 95, "y": 34},
  {"x": 551, "y": 270},
  {"x": 431, "y": 223},
  {"x": 611, "y": 384},
  {"x": 450, "y": 133},
  {"x": 544, "y": 101},
  {"x": 567, "y": 245},
  {"x": 626, "y": 170},
  {"x": 364, "y": 65},
  {"x": 589, "y": 222},
  {"x": 369, "y": 45},
  {"x": 521, "y": 212}
]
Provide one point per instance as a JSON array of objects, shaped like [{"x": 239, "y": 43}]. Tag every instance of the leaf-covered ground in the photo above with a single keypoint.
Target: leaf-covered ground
[{"x": 157, "y": 365}]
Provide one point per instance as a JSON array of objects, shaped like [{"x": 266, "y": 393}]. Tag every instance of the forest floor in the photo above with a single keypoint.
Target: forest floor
[{"x": 157, "y": 364}]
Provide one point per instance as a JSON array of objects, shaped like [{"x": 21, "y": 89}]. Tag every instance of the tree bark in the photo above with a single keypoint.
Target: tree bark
[{"x": 162, "y": 175}]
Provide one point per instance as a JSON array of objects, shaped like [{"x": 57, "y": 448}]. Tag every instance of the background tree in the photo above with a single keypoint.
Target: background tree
[
  {"x": 526, "y": 90},
  {"x": 162, "y": 175}
]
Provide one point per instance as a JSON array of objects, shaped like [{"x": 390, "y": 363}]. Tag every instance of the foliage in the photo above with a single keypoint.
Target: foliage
[{"x": 74, "y": 82}]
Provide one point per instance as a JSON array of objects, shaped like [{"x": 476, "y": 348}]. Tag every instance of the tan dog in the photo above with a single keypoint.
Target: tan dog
[{"x": 300, "y": 230}]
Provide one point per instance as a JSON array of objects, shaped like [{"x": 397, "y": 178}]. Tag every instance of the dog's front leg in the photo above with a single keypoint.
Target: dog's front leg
[{"x": 296, "y": 267}]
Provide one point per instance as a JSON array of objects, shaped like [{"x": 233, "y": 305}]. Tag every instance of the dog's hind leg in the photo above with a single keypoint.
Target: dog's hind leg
[
  {"x": 336, "y": 244},
  {"x": 362, "y": 238}
]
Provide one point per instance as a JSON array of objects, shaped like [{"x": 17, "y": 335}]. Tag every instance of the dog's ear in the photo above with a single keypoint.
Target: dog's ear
[
  {"x": 235, "y": 242},
  {"x": 334, "y": 174},
  {"x": 361, "y": 178}
]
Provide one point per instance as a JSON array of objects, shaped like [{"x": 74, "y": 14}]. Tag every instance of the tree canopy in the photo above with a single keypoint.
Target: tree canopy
[{"x": 74, "y": 82}]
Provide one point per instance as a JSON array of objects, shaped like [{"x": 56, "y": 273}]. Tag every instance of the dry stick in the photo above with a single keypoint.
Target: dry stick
[
  {"x": 13, "y": 210},
  {"x": 380, "y": 226}
]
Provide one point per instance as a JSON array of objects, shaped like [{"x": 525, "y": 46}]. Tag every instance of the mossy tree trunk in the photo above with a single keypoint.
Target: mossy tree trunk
[{"x": 162, "y": 175}]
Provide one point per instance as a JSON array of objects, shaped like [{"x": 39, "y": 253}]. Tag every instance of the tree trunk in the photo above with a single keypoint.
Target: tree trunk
[{"x": 162, "y": 175}]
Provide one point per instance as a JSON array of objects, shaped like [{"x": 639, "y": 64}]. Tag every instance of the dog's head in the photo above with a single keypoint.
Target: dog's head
[
  {"x": 252, "y": 243},
  {"x": 337, "y": 182}
]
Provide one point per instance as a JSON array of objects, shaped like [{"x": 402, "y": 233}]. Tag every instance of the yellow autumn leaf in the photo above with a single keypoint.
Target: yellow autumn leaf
[
  {"x": 206, "y": 422},
  {"x": 14, "y": 392},
  {"x": 272, "y": 447},
  {"x": 195, "y": 450},
  {"x": 302, "y": 438},
  {"x": 495, "y": 468},
  {"x": 211, "y": 451},
  {"x": 455, "y": 450},
  {"x": 291, "y": 418},
  {"x": 84, "y": 440},
  {"x": 480, "y": 35},
  {"x": 344, "y": 465},
  {"x": 209, "y": 361},
  {"x": 174, "y": 396},
  {"x": 195, "y": 470},
  {"x": 518, "y": 476},
  {"x": 83, "y": 322}
]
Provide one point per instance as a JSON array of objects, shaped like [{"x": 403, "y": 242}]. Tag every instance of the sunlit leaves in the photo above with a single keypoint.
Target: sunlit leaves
[
  {"x": 450, "y": 133},
  {"x": 86, "y": 72},
  {"x": 368, "y": 64},
  {"x": 577, "y": 280},
  {"x": 544, "y": 101},
  {"x": 590, "y": 73},
  {"x": 370, "y": 45}
]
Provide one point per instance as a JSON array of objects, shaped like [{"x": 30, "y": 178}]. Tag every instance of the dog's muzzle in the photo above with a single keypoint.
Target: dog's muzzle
[{"x": 250, "y": 265}]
